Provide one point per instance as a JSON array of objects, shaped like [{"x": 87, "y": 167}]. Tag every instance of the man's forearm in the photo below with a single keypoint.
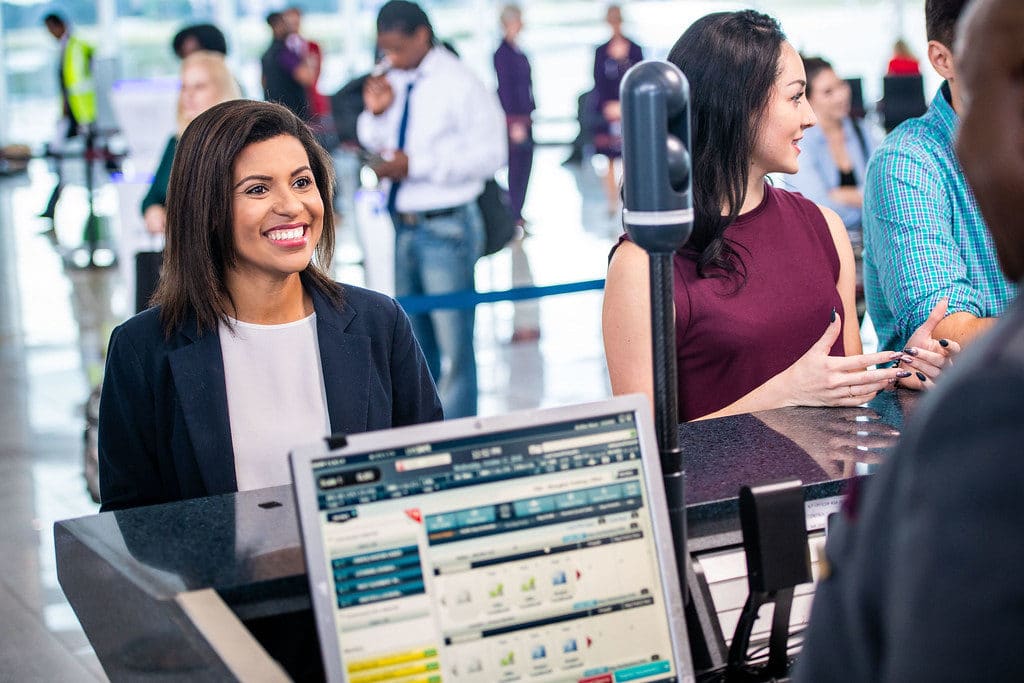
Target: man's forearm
[{"x": 962, "y": 327}]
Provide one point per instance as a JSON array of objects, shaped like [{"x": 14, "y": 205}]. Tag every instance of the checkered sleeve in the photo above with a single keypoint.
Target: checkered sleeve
[{"x": 918, "y": 260}]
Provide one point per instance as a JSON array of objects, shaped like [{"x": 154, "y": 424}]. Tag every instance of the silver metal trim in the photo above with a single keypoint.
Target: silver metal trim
[{"x": 673, "y": 217}]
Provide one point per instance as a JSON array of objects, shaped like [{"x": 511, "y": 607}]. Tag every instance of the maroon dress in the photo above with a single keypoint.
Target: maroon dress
[{"x": 728, "y": 341}]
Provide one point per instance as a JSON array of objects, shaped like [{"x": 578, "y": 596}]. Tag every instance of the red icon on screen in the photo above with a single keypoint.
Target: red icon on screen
[{"x": 414, "y": 515}]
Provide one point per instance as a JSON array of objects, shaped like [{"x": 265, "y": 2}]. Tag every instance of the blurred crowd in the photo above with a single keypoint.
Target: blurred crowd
[{"x": 887, "y": 219}]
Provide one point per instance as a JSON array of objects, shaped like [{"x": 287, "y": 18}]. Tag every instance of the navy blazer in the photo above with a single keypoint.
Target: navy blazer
[{"x": 164, "y": 433}]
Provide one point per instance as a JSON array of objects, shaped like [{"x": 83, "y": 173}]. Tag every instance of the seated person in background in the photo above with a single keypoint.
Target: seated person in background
[
  {"x": 921, "y": 581},
  {"x": 251, "y": 349},
  {"x": 903, "y": 62},
  {"x": 924, "y": 238},
  {"x": 835, "y": 152},
  {"x": 205, "y": 81},
  {"x": 764, "y": 290}
]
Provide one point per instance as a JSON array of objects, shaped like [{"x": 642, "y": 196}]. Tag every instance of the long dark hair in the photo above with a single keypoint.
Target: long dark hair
[
  {"x": 731, "y": 61},
  {"x": 200, "y": 243}
]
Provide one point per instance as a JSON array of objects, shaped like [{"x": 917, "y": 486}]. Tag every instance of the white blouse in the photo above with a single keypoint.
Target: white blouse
[{"x": 276, "y": 396}]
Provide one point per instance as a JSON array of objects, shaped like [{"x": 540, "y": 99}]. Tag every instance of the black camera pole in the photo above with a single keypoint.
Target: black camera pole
[{"x": 658, "y": 215}]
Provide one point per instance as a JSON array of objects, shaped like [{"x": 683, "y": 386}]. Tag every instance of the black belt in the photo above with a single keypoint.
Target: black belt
[{"x": 414, "y": 217}]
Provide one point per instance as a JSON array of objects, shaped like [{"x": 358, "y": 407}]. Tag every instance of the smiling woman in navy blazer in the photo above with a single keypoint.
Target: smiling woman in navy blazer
[{"x": 251, "y": 348}]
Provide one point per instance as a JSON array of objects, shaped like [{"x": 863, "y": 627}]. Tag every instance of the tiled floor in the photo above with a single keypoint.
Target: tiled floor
[{"x": 54, "y": 320}]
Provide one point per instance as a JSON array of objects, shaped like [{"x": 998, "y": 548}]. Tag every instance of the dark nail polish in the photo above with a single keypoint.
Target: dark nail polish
[
  {"x": 920, "y": 376},
  {"x": 943, "y": 343},
  {"x": 910, "y": 351},
  {"x": 833, "y": 319},
  {"x": 903, "y": 374}
]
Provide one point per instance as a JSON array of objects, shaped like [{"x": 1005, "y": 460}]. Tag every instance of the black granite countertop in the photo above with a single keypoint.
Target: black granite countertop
[
  {"x": 246, "y": 545},
  {"x": 821, "y": 447}
]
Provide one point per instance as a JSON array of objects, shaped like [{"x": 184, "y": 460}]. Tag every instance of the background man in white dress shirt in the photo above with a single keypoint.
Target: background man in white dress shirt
[{"x": 440, "y": 134}]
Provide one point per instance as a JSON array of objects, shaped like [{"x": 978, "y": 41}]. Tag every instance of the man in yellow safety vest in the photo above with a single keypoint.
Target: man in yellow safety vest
[
  {"x": 78, "y": 94},
  {"x": 76, "y": 83}
]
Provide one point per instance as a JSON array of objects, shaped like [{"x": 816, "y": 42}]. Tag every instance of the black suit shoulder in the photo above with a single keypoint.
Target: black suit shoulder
[
  {"x": 369, "y": 304},
  {"x": 144, "y": 331},
  {"x": 145, "y": 324}
]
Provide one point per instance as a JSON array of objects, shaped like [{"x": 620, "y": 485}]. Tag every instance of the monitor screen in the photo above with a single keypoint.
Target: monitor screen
[{"x": 517, "y": 555}]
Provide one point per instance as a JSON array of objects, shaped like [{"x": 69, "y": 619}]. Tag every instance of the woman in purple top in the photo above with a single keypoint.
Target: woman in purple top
[
  {"x": 611, "y": 62},
  {"x": 764, "y": 290},
  {"x": 515, "y": 90}
]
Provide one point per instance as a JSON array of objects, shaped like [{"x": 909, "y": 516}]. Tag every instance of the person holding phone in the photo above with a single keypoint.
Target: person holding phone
[{"x": 441, "y": 135}]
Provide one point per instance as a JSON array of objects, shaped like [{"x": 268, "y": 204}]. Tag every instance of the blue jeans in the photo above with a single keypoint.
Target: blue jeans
[{"x": 438, "y": 255}]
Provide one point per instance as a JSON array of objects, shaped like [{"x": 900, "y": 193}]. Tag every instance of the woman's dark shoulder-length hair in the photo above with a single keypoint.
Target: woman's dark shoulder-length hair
[
  {"x": 200, "y": 245},
  {"x": 731, "y": 62}
]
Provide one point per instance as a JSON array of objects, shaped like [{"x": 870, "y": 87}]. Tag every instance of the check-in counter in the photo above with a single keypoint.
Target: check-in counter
[
  {"x": 823, "y": 448},
  {"x": 215, "y": 588}
]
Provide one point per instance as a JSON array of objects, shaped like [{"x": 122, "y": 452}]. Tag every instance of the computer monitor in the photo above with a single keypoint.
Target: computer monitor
[{"x": 527, "y": 547}]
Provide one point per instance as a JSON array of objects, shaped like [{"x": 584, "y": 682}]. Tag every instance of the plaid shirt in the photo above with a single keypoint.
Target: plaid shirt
[{"x": 924, "y": 237}]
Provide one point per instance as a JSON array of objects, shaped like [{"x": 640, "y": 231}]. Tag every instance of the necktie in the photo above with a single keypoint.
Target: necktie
[{"x": 402, "y": 128}]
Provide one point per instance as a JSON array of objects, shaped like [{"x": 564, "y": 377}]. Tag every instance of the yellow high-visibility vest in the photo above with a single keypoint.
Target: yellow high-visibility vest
[{"x": 77, "y": 74}]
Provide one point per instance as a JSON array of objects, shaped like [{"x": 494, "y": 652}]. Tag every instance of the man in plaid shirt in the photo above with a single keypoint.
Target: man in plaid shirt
[{"x": 924, "y": 237}]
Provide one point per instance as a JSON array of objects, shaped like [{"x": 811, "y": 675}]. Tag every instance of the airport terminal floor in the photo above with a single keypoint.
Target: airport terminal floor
[{"x": 54, "y": 319}]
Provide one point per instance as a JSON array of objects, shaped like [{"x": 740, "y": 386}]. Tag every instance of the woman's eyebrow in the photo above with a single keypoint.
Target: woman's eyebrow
[
  {"x": 266, "y": 178},
  {"x": 247, "y": 178}
]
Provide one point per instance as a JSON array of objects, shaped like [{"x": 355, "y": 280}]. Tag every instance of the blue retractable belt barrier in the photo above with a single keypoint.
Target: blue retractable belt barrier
[{"x": 469, "y": 299}]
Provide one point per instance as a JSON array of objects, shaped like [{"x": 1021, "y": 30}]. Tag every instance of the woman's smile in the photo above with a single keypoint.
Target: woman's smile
[{"x": 292, "y": 235}]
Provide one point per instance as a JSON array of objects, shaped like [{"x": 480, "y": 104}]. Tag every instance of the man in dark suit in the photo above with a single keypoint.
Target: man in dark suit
[
  {"x": 923, "y": 579},
  {"x": 286, "y": 74}
]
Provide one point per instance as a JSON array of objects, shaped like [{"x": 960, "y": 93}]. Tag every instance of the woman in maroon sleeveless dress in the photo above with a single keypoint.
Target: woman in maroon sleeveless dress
[{"x": 764, "y": 289}]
